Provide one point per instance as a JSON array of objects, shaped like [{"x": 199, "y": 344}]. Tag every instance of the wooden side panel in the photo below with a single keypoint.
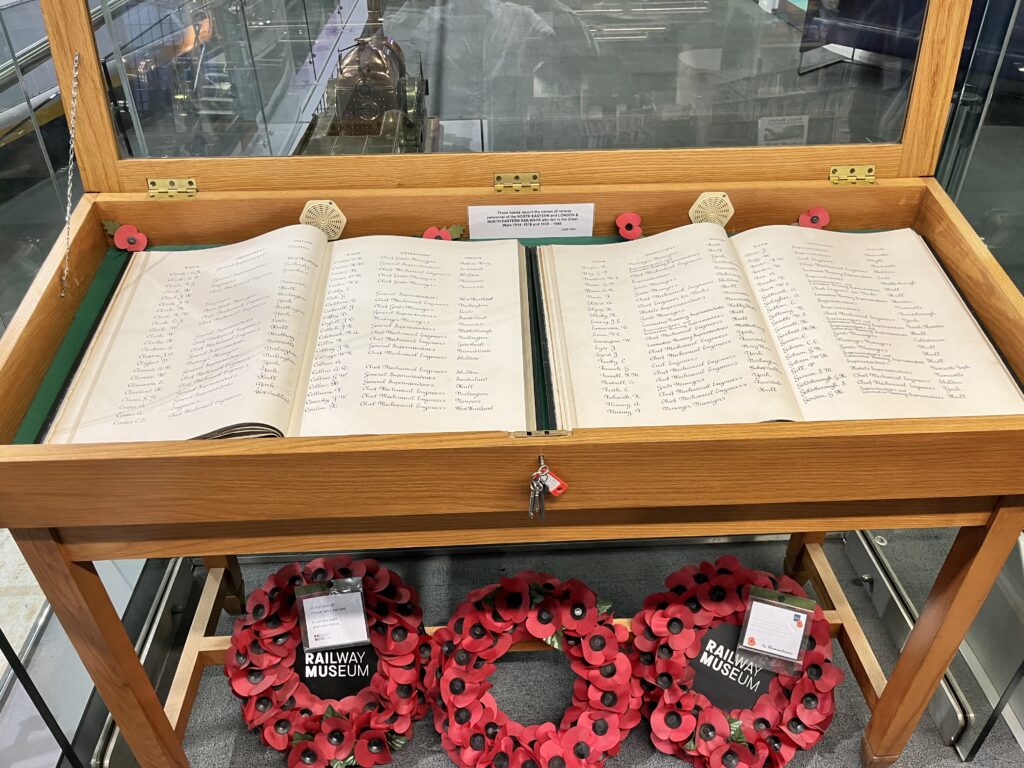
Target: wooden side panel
[
  {"x": 714, "y": 165},
  {"x": 39, "y": 325},
  {"x": 69, "y": 30},
  {"x": 219, "y": 217},
  {"x": 988, "y": 289},
  {"x": 942, "y": 42},
  {"x": 197, "y": 481}
]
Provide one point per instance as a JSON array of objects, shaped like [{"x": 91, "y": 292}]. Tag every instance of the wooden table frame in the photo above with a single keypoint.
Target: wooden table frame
[{"x": 61, "y": 561}]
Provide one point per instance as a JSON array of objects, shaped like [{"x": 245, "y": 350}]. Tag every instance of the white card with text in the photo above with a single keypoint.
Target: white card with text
[
  {"x": 498, "y": 222},
  {"x": 334, "y": 620},
  {"x": 775, "y": 630}
]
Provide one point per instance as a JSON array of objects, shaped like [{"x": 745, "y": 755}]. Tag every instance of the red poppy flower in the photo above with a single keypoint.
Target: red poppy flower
[
  {"x": 823, "y": 673},
  {"x": 305, "y": 754},
  {"x": 629, "y": 225},
  {"x": 611, "y": 701},
  {"x": 257, "y": 606},
  {"x": 523, "y": 757},
  {"x": 372, "y": 749},
  {"x": 700, "y": 616},
  {"x": 277, "y": 731},
  {"x": 513, "y": 600},
  {"x": 734, "y": 756},
  {"x": 810, "y": 706},
  {"x": 682, "y": 580},
  {"x": 250, "y": 681},
  {"x": 600, "y": 646},
  {"x": 493, "y": 621},
  {"x": 128, "y": 238},
  {"x": 258, "y": 709},
  {"x": 610, "y": 676},
  {"x": 757, "y": 723},
  {"x": 815, "y": 218},
  {"x": 579, "y": 609},
  {"x": 437, "y": 233},
  {"x": 672, "y": 723},
  {"x": 336, "y": 738},
  {"x": 720, "y": 596},
  {"x": 542, "y": 621},
  {"x": 570, "y": 748},
  {"x": 605, "y": 729},
  {"x": 712, "y": 731}
]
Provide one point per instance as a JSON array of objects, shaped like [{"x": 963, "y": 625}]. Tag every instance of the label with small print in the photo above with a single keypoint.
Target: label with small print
[
  {"x": 776, "y": 625},
  {"x": 333, "y": 616},
  {"x": 495, "y": 222},
  {"x": 556, "y": 485}
]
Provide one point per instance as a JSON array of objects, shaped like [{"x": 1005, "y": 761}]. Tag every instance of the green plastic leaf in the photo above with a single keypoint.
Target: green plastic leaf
[
  {"x": 556, "y": 641},
  {"x": 537, "y": 594},
  {"x": 396, "y": 742},
  {"x": 110, "y": 227},
  {"x": 691, "y": 745},
  {"x": 736, "y": 731},
  {"x": 348, "y": 761},
  {"x": 604, "y": 606},
  {"x": 457, "y": 231},
  {"x": 331, "y": 712},
  {"x": 298, "y": 738}
]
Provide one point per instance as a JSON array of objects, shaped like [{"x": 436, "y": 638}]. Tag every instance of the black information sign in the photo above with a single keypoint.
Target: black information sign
[
  {"x": 727, "y": 682},
  {"x": 337, "y": 673}
]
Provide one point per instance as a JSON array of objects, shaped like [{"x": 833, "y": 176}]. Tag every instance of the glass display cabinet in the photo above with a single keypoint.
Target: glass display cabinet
[{"x": 212, "y": 122}]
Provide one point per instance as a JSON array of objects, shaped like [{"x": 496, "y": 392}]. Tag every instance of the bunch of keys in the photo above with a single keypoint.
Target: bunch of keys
[{"x": 542, "y": 482}]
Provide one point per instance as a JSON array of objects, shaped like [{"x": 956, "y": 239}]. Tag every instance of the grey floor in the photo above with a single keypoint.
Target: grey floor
[{"x": 217, "y": 739}]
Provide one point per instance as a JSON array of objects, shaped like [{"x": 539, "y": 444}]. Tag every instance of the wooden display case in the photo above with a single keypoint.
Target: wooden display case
[{"x": 69, "y": 505}]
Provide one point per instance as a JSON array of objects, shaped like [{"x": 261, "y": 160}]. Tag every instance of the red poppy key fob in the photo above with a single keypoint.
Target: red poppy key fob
[{"x": 556, "y": 486}]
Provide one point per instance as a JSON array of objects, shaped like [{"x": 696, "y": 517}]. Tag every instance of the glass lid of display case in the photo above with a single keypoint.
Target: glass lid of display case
[{"x": 322, "y": 77}]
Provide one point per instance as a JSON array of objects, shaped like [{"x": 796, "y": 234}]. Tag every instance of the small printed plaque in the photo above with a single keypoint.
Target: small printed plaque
[
  {"x": 776, "y": 627},
  {"x": 337, "y": 673},
  {"x": 729, "y": 682},
  {"x": 497, "y": 222},
  {"x": 332, "y": 614}
]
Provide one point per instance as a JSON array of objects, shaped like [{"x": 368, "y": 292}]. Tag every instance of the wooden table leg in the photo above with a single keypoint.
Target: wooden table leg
[
  {"x": 81, "y": 603},
  {"x": 234, "y": 584},
  {"x": 974, "y": 561},
  {"x": 794, "y": 552}
]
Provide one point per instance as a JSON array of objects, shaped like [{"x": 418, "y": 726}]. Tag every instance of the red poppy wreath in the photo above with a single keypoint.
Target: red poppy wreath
[
  {"x": 668, "y": 635},
  {"x": 566, "y": 615},
  {"x": 361, "y": 729}
]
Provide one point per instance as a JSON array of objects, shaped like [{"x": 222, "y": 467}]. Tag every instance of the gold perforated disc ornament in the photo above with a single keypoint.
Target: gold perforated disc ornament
[
  {"x": 712, "y": 207},
  {"x": 326, "y": 216}
]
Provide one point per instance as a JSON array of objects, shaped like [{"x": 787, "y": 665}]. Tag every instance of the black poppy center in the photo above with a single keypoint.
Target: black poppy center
[
  {"x": 556, "y": 762},
  {"x": 581, "y": 750},
  {"x": 500, "y": 760},
  {"x": 795, "y": 726},
  {"x": 514, "y": 599},
  {"x": 254, "y": 676},
  {"x": 693, "y": 604},
  {"x": 810, "y": 701},
  {"x": 730, "y": 759},
  {"x": 646, "y": 658},
  {"x": 280, "y": 639},
  {"x": 462, "y": 657},
  {"x": 579, "y": 611},
  {"x": 774, "y": 742},
  {"x": 530, "y": 764},
  {"x": 457, "y": 686},
  {"x": 240, "y": 658},
  {"x": 462, "y": 715},
  {"x": 600, "y": 727},
  {"x": 814, "y": 672},
  {"x": 665, "y": 652},
  {"x": 399, "y": 634},
  {"x": 477, "y": 631},
  {"x": 263, "y": 703},
  {"x": 476, "y": 741},
  {"x": 376, "y": 746},
  {"x": 274, "y": 622},
  {"x": 308, "y": 756},
  {"x": 664, "y": 680},
  {"x": 459, "y": 624},
  {"x": 608, "y": 670},
  {"x": 404, "y": 691},
  {"x": 761, "y": 724},
  {"x": 544, "y": 616},
  {"x": 700, "y": 578},
  {"x": 319, "y": 574},
  {"x": 608, "y": 699},
  {"x": 491, "y": 729},
  {"x": 597, "y": 643},
  {"x": 259, "y": 612},
  {"x": 335, "y": 738},
  {"x": 717, "y": 594},
  {"x": 282, "y": 726},
  {"x": 675, "y": 626},
  {"x": 708, "y": 732},
  {"x": 673, "y": 719}
]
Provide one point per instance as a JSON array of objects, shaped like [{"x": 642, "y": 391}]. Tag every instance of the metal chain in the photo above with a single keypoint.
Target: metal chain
[{"x": 71, "y": 175}]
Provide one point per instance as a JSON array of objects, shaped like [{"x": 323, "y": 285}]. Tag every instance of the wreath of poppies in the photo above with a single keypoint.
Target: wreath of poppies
[
  {"x": 668, "y": 632},
  {"x": 362, "y": 729},
  {"x": 606, "y": 700}
]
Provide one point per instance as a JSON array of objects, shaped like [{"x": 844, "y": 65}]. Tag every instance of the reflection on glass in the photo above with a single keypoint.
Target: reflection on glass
[
  {"x": 33, "y": 147},
  {"x": 225, "y": 77}
]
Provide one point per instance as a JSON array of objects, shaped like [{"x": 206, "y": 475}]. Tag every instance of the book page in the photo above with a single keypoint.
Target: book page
[
  {"x": 418, "y": 336},
  {"x": 870, "y": 327},
  {"x": 203, "y": 343},
  {"x": 661, "y": 330}
]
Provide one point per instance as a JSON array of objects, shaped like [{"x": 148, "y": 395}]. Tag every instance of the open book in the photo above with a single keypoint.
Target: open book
[{"x": 287, "y": 334}]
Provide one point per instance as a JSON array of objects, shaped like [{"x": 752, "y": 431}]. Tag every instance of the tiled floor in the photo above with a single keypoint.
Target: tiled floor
[{"x": 20, "y": 596}]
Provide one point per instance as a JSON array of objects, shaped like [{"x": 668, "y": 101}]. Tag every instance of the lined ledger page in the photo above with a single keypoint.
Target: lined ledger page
[
  {"x": 869, "y": 326},
  {"x": 661, "y": 330},
  {"x": 199, "y": 342},
  {"x": 418, "y": 336}
]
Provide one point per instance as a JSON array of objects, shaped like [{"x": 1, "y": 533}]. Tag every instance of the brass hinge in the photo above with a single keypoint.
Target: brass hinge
[
  {"x": 163, "y": 189},
  {"x": 852, "y": 175},
  {"x": 543, "y": 433},
  {"x": 517, "y": 182}
]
